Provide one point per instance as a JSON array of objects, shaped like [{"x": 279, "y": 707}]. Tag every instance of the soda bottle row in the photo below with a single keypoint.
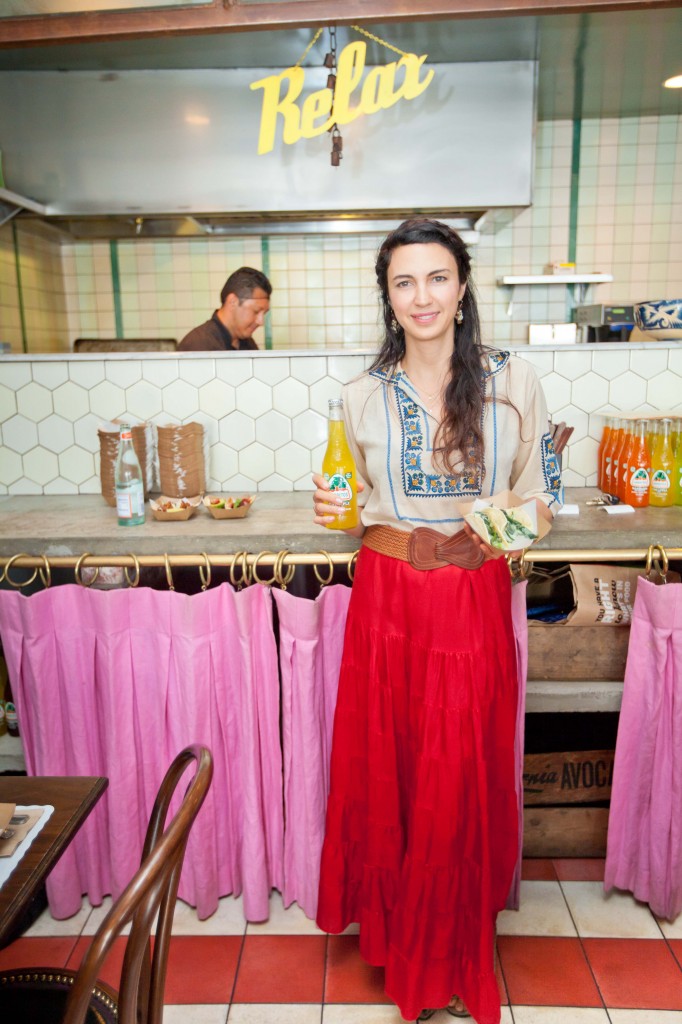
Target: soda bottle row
[{"x": 640, "y": 461}]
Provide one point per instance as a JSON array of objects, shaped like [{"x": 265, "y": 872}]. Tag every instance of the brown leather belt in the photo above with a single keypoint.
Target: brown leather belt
[{"x": 424, "y": 548}]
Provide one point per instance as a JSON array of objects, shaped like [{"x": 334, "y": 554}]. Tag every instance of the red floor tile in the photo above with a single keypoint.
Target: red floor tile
[
  {"x": 504, "y": 998},
  {"x": 281, "y": 969},
  {"x": 579, "y": 869},
  {"x": 538, "y": 869},
  {"x": 37, "y": 952},
  {"x": 636, "y": 973},
  {"x": 349, "y": 979},
  {"x": 110, "y": 972},
  {"x": 542, "y": 971},
  {"x": 202, "y": 968}
]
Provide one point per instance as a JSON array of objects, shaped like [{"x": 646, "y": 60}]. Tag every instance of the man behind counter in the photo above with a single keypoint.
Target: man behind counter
[{"x": 245, "y": 300}]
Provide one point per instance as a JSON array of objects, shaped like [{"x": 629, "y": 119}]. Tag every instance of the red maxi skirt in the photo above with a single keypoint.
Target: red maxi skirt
[{"x": 421, "y": 832}]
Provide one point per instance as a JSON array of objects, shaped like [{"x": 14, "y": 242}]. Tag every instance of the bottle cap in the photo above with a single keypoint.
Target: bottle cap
[{"x": 334, "y": 403}]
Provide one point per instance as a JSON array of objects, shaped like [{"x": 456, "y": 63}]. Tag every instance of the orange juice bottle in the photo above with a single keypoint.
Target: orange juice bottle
[
  {"x": 605, "y": 436},
  {"x": 608, "y": 483},
  {"x": 618, "y": 463},
  {"x": 662, "y": 465},
  {"x": 338, "y": 467},
  {"x": 638, "y": 468}
]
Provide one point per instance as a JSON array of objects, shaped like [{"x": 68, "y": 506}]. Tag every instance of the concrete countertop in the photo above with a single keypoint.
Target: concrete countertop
[{"x": 70, "y": 525}]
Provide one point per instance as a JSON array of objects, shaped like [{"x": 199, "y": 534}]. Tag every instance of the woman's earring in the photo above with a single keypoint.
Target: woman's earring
[
  {"x": 394, "y": 323},
  {"x": 459, "y": 315}
]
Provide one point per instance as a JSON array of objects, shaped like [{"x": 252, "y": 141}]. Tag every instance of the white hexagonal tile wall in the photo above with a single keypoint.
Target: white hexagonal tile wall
[
  {"x": 583, "y": 457},
  {"x": 86, "y": 372},
  {"x": 196, "y": 371},
  {"x": 310, "y": 429},
  {"x": 41, "y": 465},
  {"x": 293, "y": 461},
  {"x": 160, "y": 371},
  {"x": 222, "y": 462},
  {"x": 344, "y": 368},
  {"x": 320, "y": 393},
  {"x": 107, "y": 401},
  {"x": 61, "y": 486},
  {"x": 570, "y": 478},
  {"x": 85, "y": 432},
  {"x": 144, "y": 400},
  {"x": 180, "y": 399},
  {"x": 15, "y": 375},
  {"x": 575, "y": 418},
  {"x": 572, "y": 364},
  {"x": 71, "y": 400},
  {"x": 93, "y": 485},
  {"x": 217, "y": 398},
  {"x": 648, "y": 363},
  {"x": 290, "y": 397},
  {"x": 610, "y": 364},
  {"x": 50, "y": 375},
  {"x": 542, "y": 361},
  {"x": 256, "y": 461},
  {"x": 590, "y": 392},
  {"x": 55, "y": 434},
  {"x": 254, "y": 397},
  {"x": 664, "y": 392},
  {"x": 234, "y": 369},
  {"x": 25, "y": 486},
  {"x": 8, "y": 403},
  {"x": 209, "y": 424},
  {"x": 123, "y": 372},
  {"x": 76, "y": 465},
  {"x": 557, "y": 392},
  {"x": 627, "y": 392},
  {"x": 273, "y": 429},
  {"x": 34, "y": 402},
  {"x": 19, "y": 434},
  {"x": 271, "y": 369},
  {"x": 275, "y": 483},
  {"x": 311, "y": 368},
  {"x": 237, "y": 430},
  {"x": 239, "y": 484},
  {"x": 11, "y": 467},
  {"x": 675, "y": 362}
]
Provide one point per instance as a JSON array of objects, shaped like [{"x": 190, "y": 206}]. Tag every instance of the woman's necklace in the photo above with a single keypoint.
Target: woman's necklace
[{"x": 431, "y": 399}]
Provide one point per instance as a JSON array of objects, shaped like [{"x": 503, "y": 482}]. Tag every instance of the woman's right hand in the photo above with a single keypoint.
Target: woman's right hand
[{"x": 326, "y": 505}]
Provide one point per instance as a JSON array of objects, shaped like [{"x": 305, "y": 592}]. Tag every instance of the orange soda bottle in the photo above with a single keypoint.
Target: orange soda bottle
[
  {"x": 638, "y": 468},
  {"x": 618, "y": 463},
  {"x": 662, "y": 465},
  {"x": 338, "y": 467},
  {"x": 608, "y": 484},
  {"x": 605, "y": 436}
]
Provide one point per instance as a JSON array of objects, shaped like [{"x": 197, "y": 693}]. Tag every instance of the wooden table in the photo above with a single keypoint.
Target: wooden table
[{"x": 72, "y": 798}]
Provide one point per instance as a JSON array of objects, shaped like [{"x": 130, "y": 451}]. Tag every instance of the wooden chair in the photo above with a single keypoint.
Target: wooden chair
[{"x": 49, "y": 995}]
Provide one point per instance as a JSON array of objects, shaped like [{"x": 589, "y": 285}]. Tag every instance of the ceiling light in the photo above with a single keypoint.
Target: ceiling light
[
  {"x": 673, "y": 83},
  {"x": 197, "y": 119}
]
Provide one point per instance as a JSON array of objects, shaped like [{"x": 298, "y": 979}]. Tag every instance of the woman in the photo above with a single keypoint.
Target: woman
[{"x": 421, "y": 833}]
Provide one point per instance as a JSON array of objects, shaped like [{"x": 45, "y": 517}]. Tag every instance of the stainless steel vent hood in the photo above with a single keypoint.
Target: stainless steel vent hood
[{"x": 171, "y": 153}]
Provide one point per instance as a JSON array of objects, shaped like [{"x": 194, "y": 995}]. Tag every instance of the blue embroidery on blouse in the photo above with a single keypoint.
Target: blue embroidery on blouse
[
  {"x": 550, "y": 467},
  {"x": 493, "y": 404}
]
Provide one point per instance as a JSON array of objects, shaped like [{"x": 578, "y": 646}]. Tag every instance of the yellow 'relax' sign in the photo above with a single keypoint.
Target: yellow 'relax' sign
[{"x": 324, "y": 108}]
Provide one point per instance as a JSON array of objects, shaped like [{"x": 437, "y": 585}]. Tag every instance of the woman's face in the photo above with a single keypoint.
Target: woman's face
[{"x": 424, "y": 290}]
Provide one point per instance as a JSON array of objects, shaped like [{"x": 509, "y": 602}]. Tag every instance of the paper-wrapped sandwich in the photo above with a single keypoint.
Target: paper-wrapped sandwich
[{"x": 508, "y": 529}]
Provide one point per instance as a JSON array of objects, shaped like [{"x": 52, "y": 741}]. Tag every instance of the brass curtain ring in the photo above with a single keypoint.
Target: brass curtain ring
[
  {"x": 283, "y": 577},
  {"x": 169, "y": 574},
  {"x": 352, "y": 563},
  {"x": 10, "y": 563},
  {"x": 662, "y": 565},
  {"x": 325, "y": 580},
  {"x": 205, "y": 572},
  {"x": 254, "y": 569},
  {"x": 649, "y": 560},
  {"x": 237, "y": 558},
  {"x": 45, "y": 571},
  {"x": 136, "y": 578},
  {"x": 77, "y": 571}
]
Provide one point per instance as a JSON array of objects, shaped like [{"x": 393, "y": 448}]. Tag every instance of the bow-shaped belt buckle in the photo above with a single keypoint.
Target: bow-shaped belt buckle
[{"x": 429, "y": 549}]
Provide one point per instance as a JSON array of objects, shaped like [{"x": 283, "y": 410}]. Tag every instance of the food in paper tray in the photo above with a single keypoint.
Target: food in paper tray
[
  {"x": 165, "y": 508},
  {"x": 228, "y": 508},
  {"x": 507, "y": 529}
]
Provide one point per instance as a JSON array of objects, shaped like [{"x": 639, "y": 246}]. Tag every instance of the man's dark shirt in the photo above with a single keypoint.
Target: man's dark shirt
[{"x": 213, "y": 336}]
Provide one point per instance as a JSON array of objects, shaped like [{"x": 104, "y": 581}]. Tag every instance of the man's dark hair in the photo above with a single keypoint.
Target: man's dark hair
[{"x": 243, "y": 283}]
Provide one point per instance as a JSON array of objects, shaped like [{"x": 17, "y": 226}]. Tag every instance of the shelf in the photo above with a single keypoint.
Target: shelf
[
  {"x": 556, "y": 279},
  {"x": 11, "y": 754},
  {"x": 572, "y": 695}
]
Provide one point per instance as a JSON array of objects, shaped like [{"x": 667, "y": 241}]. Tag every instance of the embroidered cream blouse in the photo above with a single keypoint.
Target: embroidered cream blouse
[{"x": 390, "y": 432}]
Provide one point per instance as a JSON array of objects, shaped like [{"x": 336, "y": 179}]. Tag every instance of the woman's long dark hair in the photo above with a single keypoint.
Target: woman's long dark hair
[{"x": 460, "y": 433}]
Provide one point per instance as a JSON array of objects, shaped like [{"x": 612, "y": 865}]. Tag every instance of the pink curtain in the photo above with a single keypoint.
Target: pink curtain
[
  {"x": 644, "y": 847},
  {"x": 311, "y": 643},
  {"x": 116, "y": 683},
  {"x": 520, "y": 623}
]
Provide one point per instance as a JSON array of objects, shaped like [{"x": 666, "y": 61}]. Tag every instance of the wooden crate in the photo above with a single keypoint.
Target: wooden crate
[
  {"x": 567, "y": 777},
  {"x": 558, "y": 651},
  {"x": 565, "y": 831}
]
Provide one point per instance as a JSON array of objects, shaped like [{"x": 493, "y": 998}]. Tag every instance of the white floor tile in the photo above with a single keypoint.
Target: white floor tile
[
  {"x": 291, "y": 921},
  {"x": 543, "y": 911},
  {"x": 97, "y": 915},
  {"x": 274, "y": 1013},
  {"x": 363, "y": 1013},
  {"x": 613, "y": 915},
  {"x": 227, "y": 920},
  {"x": 46, "y": 925},
  {"x": 200, "y": 1013},
  {"x": 671, "y": 929},
  {"x": 559, "y": 1015},
  {"x": 645, "y": 1016}
]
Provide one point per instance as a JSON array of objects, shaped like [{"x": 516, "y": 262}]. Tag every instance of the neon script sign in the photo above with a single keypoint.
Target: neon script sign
[{"x": 320, "y": 110}]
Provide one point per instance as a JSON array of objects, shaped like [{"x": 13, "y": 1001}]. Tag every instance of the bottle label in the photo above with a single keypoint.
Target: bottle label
[
  {"x": 639, "y": 481},
  {"x": 660, "y": 481},
  {"x": 340, "y": 484},
  {"x": 11, "y": 713},
  {"x": 130, "y": 503}
]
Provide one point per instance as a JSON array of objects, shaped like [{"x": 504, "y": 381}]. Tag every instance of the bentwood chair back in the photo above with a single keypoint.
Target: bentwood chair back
[{"x": 149, "y": 897}]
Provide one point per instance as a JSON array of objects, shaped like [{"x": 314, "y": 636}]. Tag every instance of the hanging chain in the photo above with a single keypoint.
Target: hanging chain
[
  {"x": 308, "y": 48},
  {"x": 376, "y": 39}
]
